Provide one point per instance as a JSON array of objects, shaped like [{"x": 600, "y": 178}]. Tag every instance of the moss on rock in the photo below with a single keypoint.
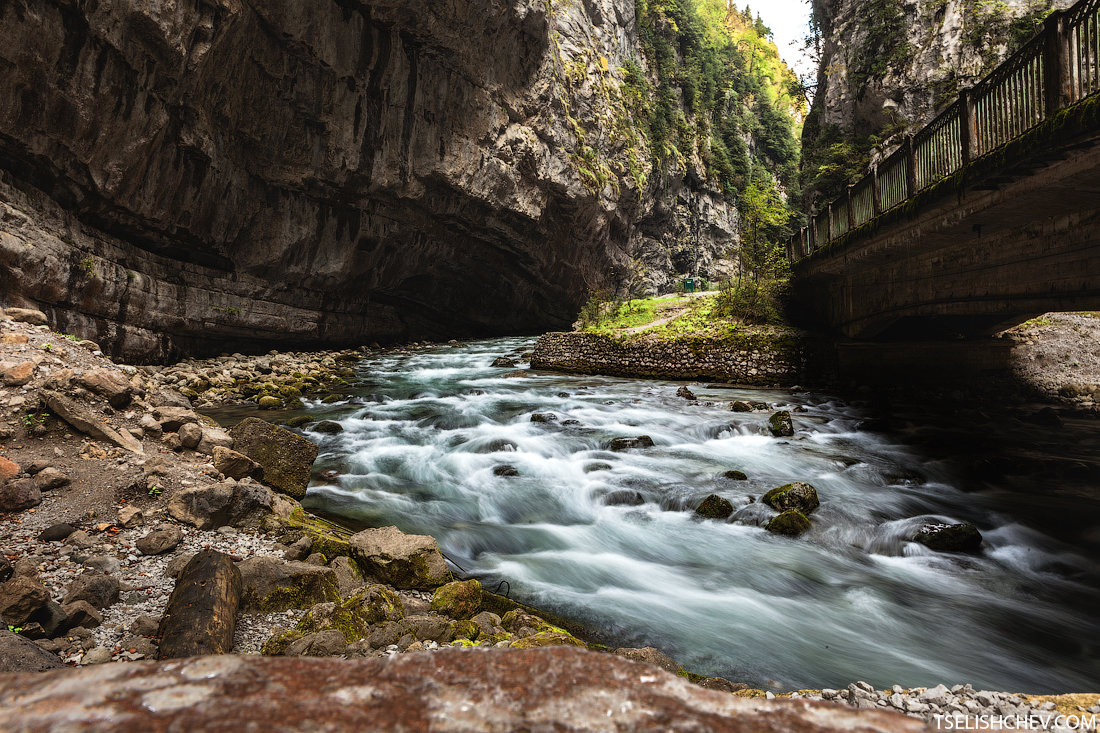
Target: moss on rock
[
  {"x": 795, "y": 495},
  {"x": 714, "y": 507},
  {"x": 459, "y": 600},
  {"x": 790, "y": 523}
]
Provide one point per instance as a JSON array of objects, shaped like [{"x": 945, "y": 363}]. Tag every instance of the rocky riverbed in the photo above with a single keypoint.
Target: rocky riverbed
[{"x": 112, "y": 483}]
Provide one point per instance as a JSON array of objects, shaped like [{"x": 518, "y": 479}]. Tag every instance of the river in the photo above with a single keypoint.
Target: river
[{"x": 851, "y": 599}]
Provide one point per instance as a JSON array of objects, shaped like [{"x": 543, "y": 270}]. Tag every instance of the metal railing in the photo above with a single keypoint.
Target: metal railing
[{"x": 1056, "y": 69}]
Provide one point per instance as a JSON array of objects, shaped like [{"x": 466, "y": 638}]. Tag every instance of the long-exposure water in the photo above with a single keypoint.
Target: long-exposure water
[{"x": 851, "y": 599}]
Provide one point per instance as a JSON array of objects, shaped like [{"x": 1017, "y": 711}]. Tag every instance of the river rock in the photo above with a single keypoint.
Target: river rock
[
  {"x": 82, "y": 613},
  {"x": 740, "y": 406},
  {"x": 327, "y": 643},
  {"x": 734, "y": 475},
  {"x": 164, "y": 538},
  {"x": 20, "y": 494},
  {"x": 950, "y": 537},
  {"x": 190, "y": 435},
  {"x": 27, "y": 315},
  {"x": 210, "y": 506},
  {"x": 97, "y": 589},
  {"x": 348, "y": 575},
  {"x": 56, "y": 532},
  {"x": 328, "y": 427},
  {"x": 544, "y": 417},
  {"x": 790, "y": 523},
  {"x": 85, "y": 422},
  {"x": 17, "y": 374},
  {"x": 651, "y": 656},
  {"x": 780, "y": 424},
  {"x": 172, "y": 417},
  {"x": 275, "y": 585},
  {"x": 22, "y": 600},
  {"x": 8, "y": 469},
  {"x": 624, "y": 444},
  {"x": 49, "y": 479},
  {"x": 505, "y": 470},
  {"x": 129, "y": 517},
  {"x": 21, "y": 655},
  {"x": 503, "y": 362},
  {"x": 236, "y": 465},
  {"x": 109, "y": 383},
  {"x": 796, "y": 495},
  {"x": 685, "y": 393},
  {"x": 286, "y": 457},
  {"x": 459, "y": 600},
  {"x": 402, "y": 560},
  {"x": 624, "y": 497},
  {"x": 714, "y": 507},
  {"x": 212, "y": 438}
]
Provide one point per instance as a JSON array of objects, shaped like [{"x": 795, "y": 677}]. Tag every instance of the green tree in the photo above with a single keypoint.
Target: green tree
[{"x": 764, "y": 218}]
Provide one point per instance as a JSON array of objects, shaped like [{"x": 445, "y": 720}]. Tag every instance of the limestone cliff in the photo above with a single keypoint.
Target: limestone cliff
[
  {"x": 887, "y": 67},
  {"x": 200, "y": 175}
]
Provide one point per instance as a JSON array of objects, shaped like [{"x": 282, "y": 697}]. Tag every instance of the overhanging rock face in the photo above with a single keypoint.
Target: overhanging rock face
[
  {"x": 196, "y": 176},
  {"x": 559, "y": 689}
]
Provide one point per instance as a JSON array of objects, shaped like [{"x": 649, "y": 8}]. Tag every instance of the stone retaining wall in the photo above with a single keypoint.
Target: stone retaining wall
[{"x": 760, "y": 359}]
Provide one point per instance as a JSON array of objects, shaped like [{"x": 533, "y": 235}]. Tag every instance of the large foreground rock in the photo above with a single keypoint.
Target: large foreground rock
[
  {"x": 559, "y": 689},
  {"x": 402, "y": 560},
  {"x": 286, "y": 457},
  {"x": 218, "y": 505},
  {"x": 23, "y": 655},
  {"x": 275, "y": 585}
]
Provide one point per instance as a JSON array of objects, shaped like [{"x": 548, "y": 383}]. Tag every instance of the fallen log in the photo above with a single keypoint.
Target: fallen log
[{"x": 202, "y": 611}]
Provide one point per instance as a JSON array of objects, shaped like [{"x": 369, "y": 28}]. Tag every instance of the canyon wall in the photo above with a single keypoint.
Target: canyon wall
[
  {"x": 197, "y": 176},
  {"x": 887, "y": 67}
]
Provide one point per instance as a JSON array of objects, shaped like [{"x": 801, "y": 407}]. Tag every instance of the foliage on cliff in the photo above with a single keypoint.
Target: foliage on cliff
[
  {"x": 717, "y": 93},
  {"x": 880, "y": 52}
]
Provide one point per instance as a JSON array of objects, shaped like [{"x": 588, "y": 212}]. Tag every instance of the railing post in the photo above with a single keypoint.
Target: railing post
[
  {"x": 811, "y": 240},
  {"x": 848, "y": 206},
  {"x": 911, "y": 161},
  {"x": 829, "y": 223},
  {"x": 802, "y": 240},
  {"x": 1057, "y": 64},
  {"x": 968, "y": 127},
  {"x": 876, "y": 201}
]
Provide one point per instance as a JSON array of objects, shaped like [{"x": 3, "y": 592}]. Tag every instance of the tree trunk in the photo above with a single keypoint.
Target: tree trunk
[{"x": 202, "y": 611}]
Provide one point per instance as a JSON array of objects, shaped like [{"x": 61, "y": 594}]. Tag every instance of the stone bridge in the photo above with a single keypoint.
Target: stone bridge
[{"x": 987, "y": 217}]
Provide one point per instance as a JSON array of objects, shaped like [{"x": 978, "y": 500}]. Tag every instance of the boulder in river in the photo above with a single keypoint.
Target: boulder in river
[
  {"x": 734, "y": 475},
  {"x": 624, "y": 497},
  {"x": 286, "y": 457},
  {"x": 624, "y": 444},
  {"x": 781, "y": 425},
  {"x": 714, "y": 507},
  {"x": 949, "y": 537},
  {"x": 504, "y": 362},
  {"x": 740, "y": 406},
  {"x": 505, "y": 470},
  {"x": 796, "y": 495},
  {"x": 685, "y": 393},
  {"x": 790, "y": 523}
]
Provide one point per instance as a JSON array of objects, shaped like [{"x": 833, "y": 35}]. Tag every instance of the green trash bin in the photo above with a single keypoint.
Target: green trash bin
[{"x": 689, "y": 285}]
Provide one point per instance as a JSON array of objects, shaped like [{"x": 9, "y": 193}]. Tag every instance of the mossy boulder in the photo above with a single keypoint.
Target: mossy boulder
[
  {"x": 331, "y": 540},
  {"x": 652, "y": 656},
  {"x": 328, "y": 427},
  {"x": 353, "y": 618},
  {"x": 547, "y": 638},
  {"x": 467, "y": 630},
  {"x": 270, "y": 584},
  {"x": 287, "y": 458},
  {"x": 399, "y": 559},
  {"x": 714, "y": 507},
  {"x": 790, "y": 523},
  {"x": 734, "y": 476},
  {"x": 297, "y": 422},
  {"x": 950, "y": 537},
  {"x": 460, "y": 600},
  {"x": 269, "y": 402},
  {"x": 780, "y": 424},
  {"x": 624, "y": 444},
  {"x": 795, "y": 495}
]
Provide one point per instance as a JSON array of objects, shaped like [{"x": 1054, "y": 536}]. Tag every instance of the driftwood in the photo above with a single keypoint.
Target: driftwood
[{"x": 202, "y": 611}]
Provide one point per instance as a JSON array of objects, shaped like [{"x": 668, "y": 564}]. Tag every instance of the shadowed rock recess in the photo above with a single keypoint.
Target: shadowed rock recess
[{"x": 183, "y": 177}]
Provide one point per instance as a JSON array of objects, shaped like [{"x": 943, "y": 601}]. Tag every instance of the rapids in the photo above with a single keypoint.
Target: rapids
[{"x": 851, "y": 599}]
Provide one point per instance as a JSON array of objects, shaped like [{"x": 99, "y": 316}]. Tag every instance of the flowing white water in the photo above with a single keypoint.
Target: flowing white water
[{"x": 851, "y": 599}]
